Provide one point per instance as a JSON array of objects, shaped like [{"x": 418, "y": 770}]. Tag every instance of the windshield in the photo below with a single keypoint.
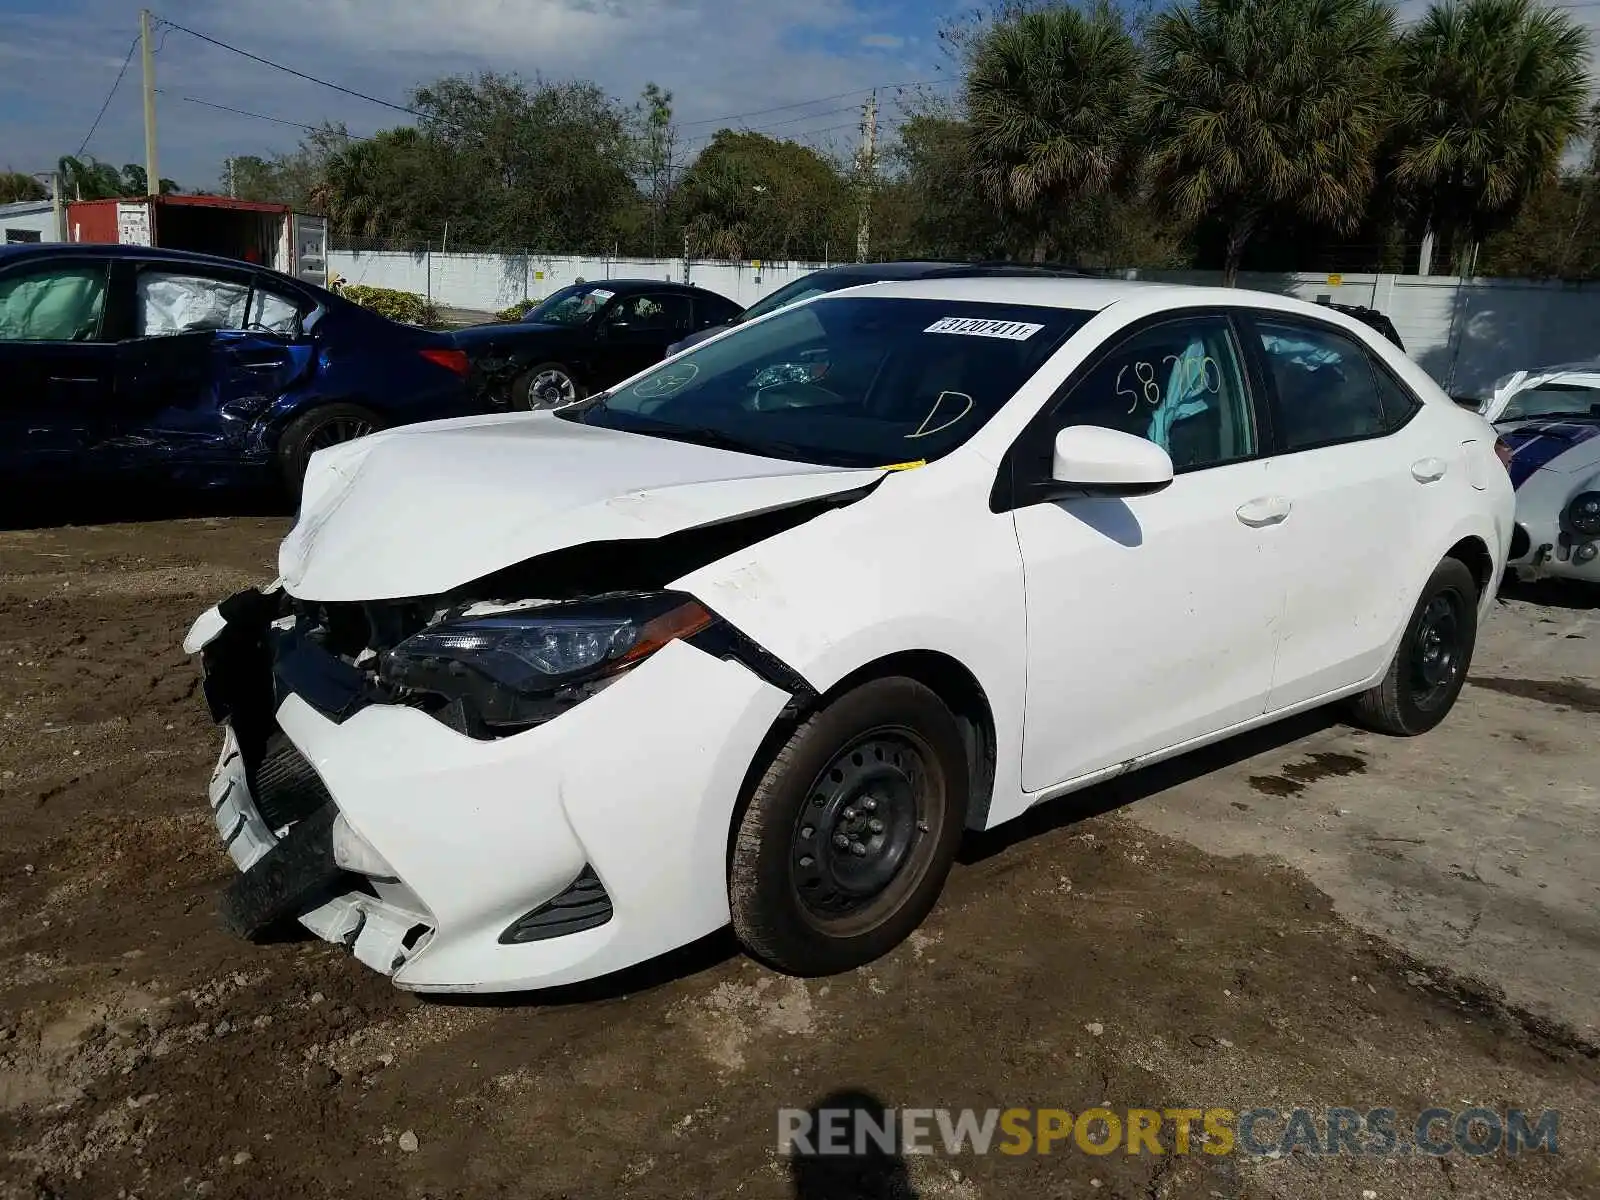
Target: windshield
[
  {"x": 1553, "y": 400},
  {"x": 571, "y": 305},
  {"x": 815, "y": 284},
  {"x": 850, "y": 382}
]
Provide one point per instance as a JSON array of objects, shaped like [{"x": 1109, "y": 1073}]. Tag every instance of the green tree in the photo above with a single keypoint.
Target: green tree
[
  {"x": 1492, "y": 91},
  {"x": 1263, "y": 105},
  {"x": 292, "y": 177},
  {"x": 90, "y": 179},
  {"x": 751, "y": 196},
  {"x": 15, "y": 185},
  {"x": 657, "y": 141},
  {"x": 397, "y": 186},
  {"x": 504, "y": 162},
  {"x": 932, "y": 204},
  {"x": 1052, "y": 101},
  {"x": 536, "y": 164}
]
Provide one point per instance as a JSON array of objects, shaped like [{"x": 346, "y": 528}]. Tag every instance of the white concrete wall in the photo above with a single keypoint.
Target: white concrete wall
[
  {"x": 1465, "y": 333},
  {"x": 489, "y": 282},
  {"x": 38, "y": 219}
]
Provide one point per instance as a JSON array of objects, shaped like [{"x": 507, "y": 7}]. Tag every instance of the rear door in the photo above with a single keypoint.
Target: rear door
[
  {"x": 56, "y": 366},
  {"x": 1365, "y": 484}
]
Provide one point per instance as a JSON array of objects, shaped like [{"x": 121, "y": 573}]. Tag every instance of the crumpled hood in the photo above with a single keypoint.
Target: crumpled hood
[
  {"x": 423, "y": 509},
  {"x": 1551, "y": 445}
]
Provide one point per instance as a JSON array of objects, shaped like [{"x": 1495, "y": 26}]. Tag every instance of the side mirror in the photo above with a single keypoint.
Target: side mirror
[{"x": 1109, "y": 461}]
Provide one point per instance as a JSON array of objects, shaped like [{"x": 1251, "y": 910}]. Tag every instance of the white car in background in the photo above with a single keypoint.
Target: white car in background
[
  {"x": 756, "y": 635},
  {"x": 1550, "y": 421}
]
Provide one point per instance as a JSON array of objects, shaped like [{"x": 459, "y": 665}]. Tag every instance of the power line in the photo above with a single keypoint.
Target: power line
[
  {"x": 243, "y": 112},
  {"x": 277, "y": 66},
  {"x": 761, "y": 112},
  {"x": 116, "y": 83},
  {"x": 705, "y": 139}
]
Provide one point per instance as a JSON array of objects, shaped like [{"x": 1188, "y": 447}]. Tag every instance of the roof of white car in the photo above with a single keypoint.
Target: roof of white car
[{"x": 1080, "y": 294}]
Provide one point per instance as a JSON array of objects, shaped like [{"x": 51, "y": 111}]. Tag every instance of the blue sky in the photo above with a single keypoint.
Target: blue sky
[{"x": 719, "y": 57}]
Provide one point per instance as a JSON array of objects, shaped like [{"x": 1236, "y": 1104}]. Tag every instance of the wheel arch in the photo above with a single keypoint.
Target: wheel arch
[
  {"x": 946, "y": 676},
  {"x": 1473, "y": 553}
]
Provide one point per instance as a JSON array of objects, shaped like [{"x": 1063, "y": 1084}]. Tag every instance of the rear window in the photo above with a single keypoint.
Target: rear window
[{"x": 848, "y": 381}]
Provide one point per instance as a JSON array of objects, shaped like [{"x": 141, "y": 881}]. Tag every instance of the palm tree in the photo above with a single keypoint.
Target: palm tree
[
  {"x": 89, "y": 179},
  {"x": 1052, "y": 100},
  {"x": 1263, "y": 105},
  {"x": 1492, "y": 90}
]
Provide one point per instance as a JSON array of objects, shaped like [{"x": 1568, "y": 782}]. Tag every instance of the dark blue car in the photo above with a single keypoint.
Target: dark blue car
[{"x": 126, "y": 363}]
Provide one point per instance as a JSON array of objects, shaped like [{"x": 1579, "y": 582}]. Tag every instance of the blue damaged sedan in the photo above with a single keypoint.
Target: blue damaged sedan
[{"x": 139, "y": 365}]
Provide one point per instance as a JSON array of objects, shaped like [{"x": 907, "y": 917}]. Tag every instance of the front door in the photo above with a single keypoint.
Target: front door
[
  {"x": 1152, "y": 620},
  {"x": 56, "y": 371}
]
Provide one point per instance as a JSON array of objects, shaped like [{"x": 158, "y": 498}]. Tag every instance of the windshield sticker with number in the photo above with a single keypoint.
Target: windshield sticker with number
[{"x": 1014, "y": 331}]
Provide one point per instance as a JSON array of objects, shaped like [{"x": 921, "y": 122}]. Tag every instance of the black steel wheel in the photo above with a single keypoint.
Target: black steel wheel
[
  {"x": 1430, "y": 666},
  {"x": 850, "y": 832},
  {"x": 1437, "y": 652}
]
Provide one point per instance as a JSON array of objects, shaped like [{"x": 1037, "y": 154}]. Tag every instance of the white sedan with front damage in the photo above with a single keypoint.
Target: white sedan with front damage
[{"x": 754, "y": 636}]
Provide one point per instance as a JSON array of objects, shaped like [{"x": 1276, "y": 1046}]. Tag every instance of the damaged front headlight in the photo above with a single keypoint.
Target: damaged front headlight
[{"x": 519, "y": 667}]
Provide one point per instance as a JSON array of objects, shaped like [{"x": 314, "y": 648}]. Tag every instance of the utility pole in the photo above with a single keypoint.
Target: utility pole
[
  {"x": 55, "y": 206},
  {"x": 868, "y": 164},
  {"x": 152, "y": 177}
]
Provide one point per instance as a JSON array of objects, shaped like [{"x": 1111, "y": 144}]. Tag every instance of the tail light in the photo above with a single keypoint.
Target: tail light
[
  {"x": 1503, "y": 452},
  {"x": 450, "y": 360}
]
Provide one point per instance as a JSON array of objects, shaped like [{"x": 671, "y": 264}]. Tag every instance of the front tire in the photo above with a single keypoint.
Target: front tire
[
  {"x": 851, "y": 831},
  {"x": 546, "y": 386},
  {"x": 1430, "y": 666}
]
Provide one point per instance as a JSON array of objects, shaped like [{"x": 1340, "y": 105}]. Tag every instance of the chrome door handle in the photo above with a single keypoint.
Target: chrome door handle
[
  {"x": 1263, "y": 510},
  {"x": 1428, "y": 470}
]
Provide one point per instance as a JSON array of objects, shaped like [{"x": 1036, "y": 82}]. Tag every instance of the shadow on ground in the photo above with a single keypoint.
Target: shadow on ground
[{"x": 129, "y": 503}]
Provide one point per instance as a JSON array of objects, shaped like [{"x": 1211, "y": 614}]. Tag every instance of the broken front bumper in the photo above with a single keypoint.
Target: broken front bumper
[{"x": 461, "y": 865}]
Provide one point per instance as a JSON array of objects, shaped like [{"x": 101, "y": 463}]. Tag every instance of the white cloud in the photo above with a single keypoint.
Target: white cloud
[{"x": 718, "y": 57}]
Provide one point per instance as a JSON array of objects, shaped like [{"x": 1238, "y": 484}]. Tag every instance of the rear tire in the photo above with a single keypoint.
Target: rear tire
[
  {"x": 1430, "y": 666},
  {"x": 546, "y": 386},
  {"x": 321, "y": 427},
  {"x": 851, "y": 830}
]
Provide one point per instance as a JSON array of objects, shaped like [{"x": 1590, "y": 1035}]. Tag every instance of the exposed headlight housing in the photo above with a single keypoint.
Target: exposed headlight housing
[
  {"x": 521, "y": 667},
  {"x": 1582, "y": 515}
]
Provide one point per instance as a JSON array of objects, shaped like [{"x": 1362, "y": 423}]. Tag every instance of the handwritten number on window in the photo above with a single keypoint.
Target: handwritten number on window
[{"x": 1190, "y": 375}]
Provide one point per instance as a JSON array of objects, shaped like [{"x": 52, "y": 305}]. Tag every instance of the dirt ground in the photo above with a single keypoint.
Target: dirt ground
[{"x": 1312, "y": 917}]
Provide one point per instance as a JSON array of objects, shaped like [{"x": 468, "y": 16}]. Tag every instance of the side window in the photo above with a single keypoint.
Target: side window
[
  {"x": 1327, "y": 388},
  {"x": 1181, "y": 385},
  {"x": 168, "y": 302},
  {"x": 1398, "y": 400},
  {"x": 274, "y": 312},
  {"x": 651, "y": 313},
  {"x": 52, "y": 303}
]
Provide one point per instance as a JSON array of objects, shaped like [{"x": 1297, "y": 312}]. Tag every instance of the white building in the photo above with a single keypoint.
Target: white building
[{"x": 28, "y": 221}]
